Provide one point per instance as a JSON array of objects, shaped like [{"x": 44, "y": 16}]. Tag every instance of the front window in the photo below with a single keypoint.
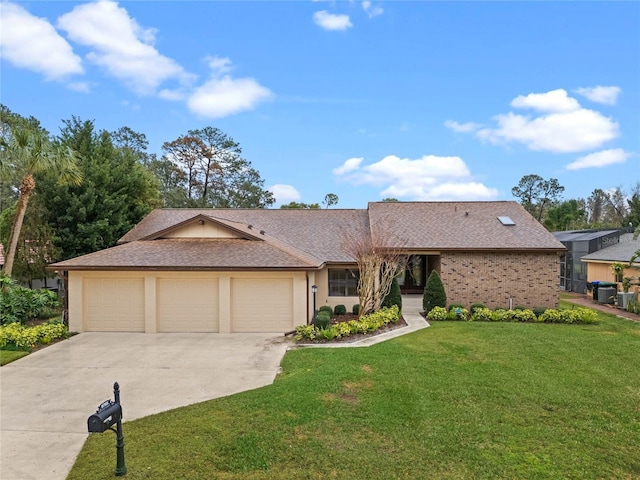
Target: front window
[{"x": 343, "y": 282}]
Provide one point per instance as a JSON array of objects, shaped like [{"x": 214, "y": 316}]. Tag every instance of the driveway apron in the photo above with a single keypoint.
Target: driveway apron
[{"x": 46, "y": 397}]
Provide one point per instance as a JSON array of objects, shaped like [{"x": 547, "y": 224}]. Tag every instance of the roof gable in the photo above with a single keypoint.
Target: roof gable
[{"x": 203, "y": 226}]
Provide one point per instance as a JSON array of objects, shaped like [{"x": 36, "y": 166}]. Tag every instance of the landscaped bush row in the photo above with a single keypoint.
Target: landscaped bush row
[
  {"x": 481, "y": 314},
  {"x": 338, "y": 310},
  {"x": 365, "y": 324},
  {"x": 20, "y": 304},
  {"x": 24, "y": 338}
]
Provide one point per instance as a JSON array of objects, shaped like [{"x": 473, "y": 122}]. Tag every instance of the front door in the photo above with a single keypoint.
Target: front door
[{"x": 413, "y": 278}]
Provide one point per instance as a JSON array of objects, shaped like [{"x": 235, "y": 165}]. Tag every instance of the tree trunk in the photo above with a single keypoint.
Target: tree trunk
[{"x": 26, "y": 189}]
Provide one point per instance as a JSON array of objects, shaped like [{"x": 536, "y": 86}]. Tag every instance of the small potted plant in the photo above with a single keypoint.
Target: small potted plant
[{"x": 618, "y": 270}]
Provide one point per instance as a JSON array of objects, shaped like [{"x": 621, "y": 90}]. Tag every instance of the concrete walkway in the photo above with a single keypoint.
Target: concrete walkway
[{"x": 46, "y": 397}]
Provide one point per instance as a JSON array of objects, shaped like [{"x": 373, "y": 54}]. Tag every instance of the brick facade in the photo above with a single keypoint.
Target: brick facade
[{"x": 530, "y": 279}]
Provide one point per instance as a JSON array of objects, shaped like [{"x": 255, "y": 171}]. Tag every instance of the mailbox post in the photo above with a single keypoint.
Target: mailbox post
[{"x": 109, "y": 413}]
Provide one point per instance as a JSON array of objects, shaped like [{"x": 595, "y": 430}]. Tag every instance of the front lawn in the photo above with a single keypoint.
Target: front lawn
[
  {"x": 8, "y": 356},
  {"x": 455, "y": 401}
]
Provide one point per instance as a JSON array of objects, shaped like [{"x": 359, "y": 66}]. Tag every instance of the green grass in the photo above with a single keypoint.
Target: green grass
[
  {"x": 8, "y": 356},
  {"x": 454, "y": 401}
]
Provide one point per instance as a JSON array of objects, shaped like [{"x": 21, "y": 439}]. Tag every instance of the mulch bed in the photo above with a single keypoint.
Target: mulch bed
[{"x": 357, "y": 336}]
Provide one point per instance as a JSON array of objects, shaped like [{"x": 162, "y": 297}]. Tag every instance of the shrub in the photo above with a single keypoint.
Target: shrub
[
  {"x": 524, "y": 315},
  {"x": 326, "y": 308},
  {"x": 322, "y": 320},
  {"x": 458, "y": 313},
  {"x": 340, "y": 310},
  {"x": 520, "y": 307},
  {"x": 481, "y": 314},
  {"x": 305, "y": 332},
  {"x": 355, "y": 309},
  {"x": 633, "y": 306},
  {"x": 538, "y": 310},
  {"x": 476, "y": 306},
  {"x": 437, "y": 313},
  {"x": 434, "y": 294},
  {"x": 24, "y": 338},
  {"x": 572, "y": 315},
  {"x": 20, "y": 304},
  {"x": 453, "y": 306},
  {"x": 500, "y": 315},
  {"x": 394, "y": 297}
]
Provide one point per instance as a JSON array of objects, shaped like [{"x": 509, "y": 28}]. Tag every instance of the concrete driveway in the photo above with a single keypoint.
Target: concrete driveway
[{"x": 46, "y": 397}]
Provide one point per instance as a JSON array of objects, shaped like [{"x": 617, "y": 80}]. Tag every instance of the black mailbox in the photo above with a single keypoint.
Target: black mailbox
[{"x": 109, "y": 413}]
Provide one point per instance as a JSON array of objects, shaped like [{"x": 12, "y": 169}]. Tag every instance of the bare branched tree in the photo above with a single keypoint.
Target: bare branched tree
[{"x": 379, "y": 258}]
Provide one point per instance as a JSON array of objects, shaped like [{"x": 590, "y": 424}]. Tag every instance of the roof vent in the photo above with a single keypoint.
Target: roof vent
[
  {"x": 506, "y": 220},
  {"x": 249, "y": 226},
  {"x": 261, "y": 232}
]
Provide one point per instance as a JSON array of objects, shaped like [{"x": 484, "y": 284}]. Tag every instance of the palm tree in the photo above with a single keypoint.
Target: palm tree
[{"x": 24, "y": 152}]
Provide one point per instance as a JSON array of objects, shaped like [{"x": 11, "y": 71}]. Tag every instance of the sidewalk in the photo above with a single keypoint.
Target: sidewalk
[{"x": 587, "y": 301}]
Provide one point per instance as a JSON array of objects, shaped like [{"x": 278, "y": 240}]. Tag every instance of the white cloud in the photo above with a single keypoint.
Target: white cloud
[
  {"x": 284, "y": 193},
  {"x": 221, "y": 97},
  {"x": 462, "y": 127},
  {"x": 331, "y": 21},
  {"x": 427, "y": 178},
  {"x": 33, "y": 43},
  {"x": 600, "y": 159},
  {"x": 562, "y": 132},
  {"x": 561, "y": 126},
  {"x": 371, "y": 10},
  {"x": 599, "y": 94},
  {"x": 121, "y": 46},
  {"x": 348, "y": 166},
  {"x": 553, "y": 101}
]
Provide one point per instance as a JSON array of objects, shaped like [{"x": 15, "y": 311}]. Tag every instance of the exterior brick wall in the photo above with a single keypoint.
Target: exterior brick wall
[{"x": 530, "y": 279}]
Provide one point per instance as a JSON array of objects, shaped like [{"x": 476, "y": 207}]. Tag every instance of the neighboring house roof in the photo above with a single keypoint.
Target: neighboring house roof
[
  {"x": 582, "y": 235},
  {"x": 309, "y": 238},
  {"x": 618, "y": 252}
]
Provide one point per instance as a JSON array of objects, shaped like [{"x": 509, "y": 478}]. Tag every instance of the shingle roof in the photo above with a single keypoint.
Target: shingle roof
[
  {"x": 582, "y": 235},
  {"x": 618, "y": 252},
  {"x": 293, "y": 238},
  {"x": 317, "y": 232},
  {"x": 189, "y": 254},
  {"x": 461, "y": 226}
]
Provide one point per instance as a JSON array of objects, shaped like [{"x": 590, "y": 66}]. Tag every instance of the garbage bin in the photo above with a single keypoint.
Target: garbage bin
[
  {"x": 594, "y": 289},
  {"x": 606, "y": 294}
]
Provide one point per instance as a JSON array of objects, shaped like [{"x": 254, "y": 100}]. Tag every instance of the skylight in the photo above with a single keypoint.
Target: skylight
[{"x": 506, "y": 220}]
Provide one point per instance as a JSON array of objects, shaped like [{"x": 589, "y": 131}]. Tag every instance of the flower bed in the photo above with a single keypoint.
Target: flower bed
[
  {"x": 25, "y": 338},
  {"x": 364, "y": 325}
]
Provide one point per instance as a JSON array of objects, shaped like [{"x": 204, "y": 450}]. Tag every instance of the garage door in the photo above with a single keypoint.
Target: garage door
[
  {"x": 187, "y": 305},
  {"x": 262, "y": 305},
  {"x": 113, "y": 304}
]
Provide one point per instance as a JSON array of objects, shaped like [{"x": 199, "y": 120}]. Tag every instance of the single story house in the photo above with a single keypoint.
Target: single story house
[
  {"x": 252, "y": 270},
  {"x": 599, "y": 263}
]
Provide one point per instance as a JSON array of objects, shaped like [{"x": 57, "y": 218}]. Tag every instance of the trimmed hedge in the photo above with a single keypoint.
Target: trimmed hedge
[
  {"x": 573, "y": 315},
  {"x": 394, "y": 297},
  {"x": 434, "y": 294},
  {"x": 340, "y": 310}
]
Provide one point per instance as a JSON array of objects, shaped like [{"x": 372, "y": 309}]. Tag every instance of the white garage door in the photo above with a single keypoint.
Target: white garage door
[
  {"x": 113, "y": 304},
  {"x": 262, "y": 305},
  {"x": 187, "y": 305}
]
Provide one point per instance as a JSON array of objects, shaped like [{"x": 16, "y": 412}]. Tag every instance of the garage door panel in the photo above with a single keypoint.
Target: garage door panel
[
  {"x": 262, "y": 305},
  {"x": 113, "y": 304},
  {"x": 187, "y": 305}
]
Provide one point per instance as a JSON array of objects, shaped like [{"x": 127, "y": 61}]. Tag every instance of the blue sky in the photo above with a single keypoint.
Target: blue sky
[{"x": 367, "y": 100}]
